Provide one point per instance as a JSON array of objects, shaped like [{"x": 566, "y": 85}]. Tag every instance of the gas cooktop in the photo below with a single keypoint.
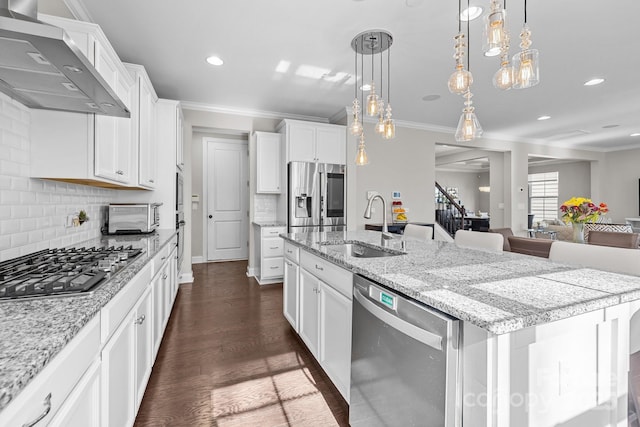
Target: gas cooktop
[{"x": 55, "y": 272}]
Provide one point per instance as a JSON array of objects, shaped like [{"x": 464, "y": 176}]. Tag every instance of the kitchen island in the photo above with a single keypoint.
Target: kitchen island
[
  {"x": 37, "y": 330},
  {"x": 542, "y": 343}
]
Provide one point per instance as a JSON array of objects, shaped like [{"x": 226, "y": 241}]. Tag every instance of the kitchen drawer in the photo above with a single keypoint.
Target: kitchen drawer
[
  {"x": 292, "y": 252},
  {"x": 272, "y": 247},
  {"x": 272, "y": 267},
  {"x": 334, "y": 276},
  {"x": 160, "y": 257},
  {"x": 273, "y": 231},
  {"x": 47, "y": 392},
  {"x": 112, "y": 314}
]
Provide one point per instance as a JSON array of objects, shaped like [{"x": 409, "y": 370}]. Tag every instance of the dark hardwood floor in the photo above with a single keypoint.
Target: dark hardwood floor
[{"x": 230, "y": 358}]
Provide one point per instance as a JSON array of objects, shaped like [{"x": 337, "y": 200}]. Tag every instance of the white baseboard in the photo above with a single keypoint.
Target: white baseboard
[
  {"x": 197, "y": 260},
  {"x": 251, "y": 272},
  {"x": 186, "y": 277},
  {"x": 268, "y": 281}
]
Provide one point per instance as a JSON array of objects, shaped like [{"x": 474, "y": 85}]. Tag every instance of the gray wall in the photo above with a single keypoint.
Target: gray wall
[
  {"x": 620, "y": 182},
  {"x": 467, "y": 184}
]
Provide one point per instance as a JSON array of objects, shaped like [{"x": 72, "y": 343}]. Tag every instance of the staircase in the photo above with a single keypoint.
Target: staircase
[{"x": 449, "y": 214}]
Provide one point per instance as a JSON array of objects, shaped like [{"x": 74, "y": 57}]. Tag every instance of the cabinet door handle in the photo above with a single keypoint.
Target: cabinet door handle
[
  {"x": 289, "y": 263},
  {"x": 119, "y": 172},
  {"x": 140, "y": 320},
  {"x": 164, "y": 276},
  {"x": 273, "y": 247},
  {"x": 47, "y": 409},
  {"x": 289, "y": 251},
  {"x": 319, "y": 268},
  {"x": 163, "y": 258},
  {"x": 152, "y": 180},
  {"x": 274, "y": 267}
]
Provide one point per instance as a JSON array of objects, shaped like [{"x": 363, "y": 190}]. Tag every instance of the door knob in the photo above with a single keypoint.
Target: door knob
[{"x": 210, "y": 216}]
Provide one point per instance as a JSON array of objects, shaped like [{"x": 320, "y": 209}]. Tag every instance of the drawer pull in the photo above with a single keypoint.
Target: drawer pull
[
  {"x": 47, "y": 409},
  {"x": 164, "y": 277},
  {"x": 273, "y": 247},
  {"x": 163, "y": 258},
  {"x": 140, "y": 320},
  {"x": 274, "y": 267},
  {"x": 289, "y": 263},
  {"x": 319, "y": 268},
  {"x": 289, "y": 251},
  {"x": 152, "y": 180},
  {"x": 119, "y": 172}
]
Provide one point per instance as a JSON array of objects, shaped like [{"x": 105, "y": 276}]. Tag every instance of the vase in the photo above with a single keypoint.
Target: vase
[{"x": 578, "y": 232}]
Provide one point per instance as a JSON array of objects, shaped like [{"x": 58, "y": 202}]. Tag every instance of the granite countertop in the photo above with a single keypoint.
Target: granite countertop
[
  {"x": 35, "y": 330},
  {"x": 499, "y": 292},
  {"x": 270, "y": 223}
]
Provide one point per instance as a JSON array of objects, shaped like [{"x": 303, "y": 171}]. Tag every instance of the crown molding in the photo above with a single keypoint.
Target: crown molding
[
  {"x": 79, "y": 10},
  {"x": 211, "y": 108}
]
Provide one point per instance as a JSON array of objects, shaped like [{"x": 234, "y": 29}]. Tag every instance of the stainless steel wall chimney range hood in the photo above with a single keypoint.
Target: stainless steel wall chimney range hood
[{"x": 41, "y": 67}]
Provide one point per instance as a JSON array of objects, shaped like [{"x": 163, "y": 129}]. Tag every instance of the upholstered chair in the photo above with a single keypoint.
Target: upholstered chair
[
  {"x": 479, "y": 240},
  {"x": 419, "y": 232},
  {"x": 530, "y": 246},
  {"x": 506, "y": 232}
]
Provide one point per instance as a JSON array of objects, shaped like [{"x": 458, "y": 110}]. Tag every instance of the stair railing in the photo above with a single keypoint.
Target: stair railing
[{"x": 449, "y": 214}]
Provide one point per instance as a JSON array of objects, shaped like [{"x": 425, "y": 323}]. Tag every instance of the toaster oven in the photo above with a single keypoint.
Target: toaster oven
[{"x": 133, "y": 218}]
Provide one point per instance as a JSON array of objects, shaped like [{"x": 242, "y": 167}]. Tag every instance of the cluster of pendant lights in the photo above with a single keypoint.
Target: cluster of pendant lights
[
  {"x": 522, "y": 74},
  {"x": 371, "y": 43}
]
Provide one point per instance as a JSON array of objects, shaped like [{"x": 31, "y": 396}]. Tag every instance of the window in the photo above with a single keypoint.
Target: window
[{"x": 543, "y": 195}]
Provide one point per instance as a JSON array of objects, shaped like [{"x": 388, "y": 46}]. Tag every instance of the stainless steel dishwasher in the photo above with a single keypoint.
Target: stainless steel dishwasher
[{"x": 404, "y": 361}]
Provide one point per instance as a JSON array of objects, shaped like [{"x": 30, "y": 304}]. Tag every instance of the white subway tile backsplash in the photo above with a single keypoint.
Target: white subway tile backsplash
[{"x": 33, "y": 211}]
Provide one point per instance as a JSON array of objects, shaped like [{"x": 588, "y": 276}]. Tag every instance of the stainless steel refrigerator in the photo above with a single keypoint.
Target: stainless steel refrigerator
[{"x": 316, "y": 197}]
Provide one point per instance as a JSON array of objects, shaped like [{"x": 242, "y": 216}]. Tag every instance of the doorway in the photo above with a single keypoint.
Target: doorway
[{"x": 226, "y": 213}]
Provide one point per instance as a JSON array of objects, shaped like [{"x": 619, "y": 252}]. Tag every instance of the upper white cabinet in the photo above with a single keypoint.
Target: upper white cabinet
[
  {"x": 143, "y": 121},
  {"x": 88, "y": 148},
  {"x": 268, "y": 162},
  {"x": 314, "y": 142}
]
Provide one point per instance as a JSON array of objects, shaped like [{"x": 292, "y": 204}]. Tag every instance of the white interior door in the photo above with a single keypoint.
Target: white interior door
[{"x": 227, "y": 200}]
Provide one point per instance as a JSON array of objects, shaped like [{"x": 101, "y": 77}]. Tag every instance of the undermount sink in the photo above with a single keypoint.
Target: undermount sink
[{"x": 362, "y": 250}]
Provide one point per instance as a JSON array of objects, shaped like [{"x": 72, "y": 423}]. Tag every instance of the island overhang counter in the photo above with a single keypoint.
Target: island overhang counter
[{"x": 542, "y": 343}]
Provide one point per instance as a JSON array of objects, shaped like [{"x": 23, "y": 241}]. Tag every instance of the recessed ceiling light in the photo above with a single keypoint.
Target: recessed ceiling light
[
  {"x": 214, "y": 60},
  {"x": 609, "y": 126},
  {"x": 635, "y": 134},
  {"x": 470, "y": 13},
  {"x": 283, "y": 66},
  {"x": 430, "y": 97},
  {"x": 594, "y": 82},
  {"x": 544, "y": 117}
]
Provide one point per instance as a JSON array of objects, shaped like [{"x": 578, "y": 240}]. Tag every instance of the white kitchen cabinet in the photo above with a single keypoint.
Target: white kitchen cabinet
[
  {"x": 314, "y": 142},
  {"x": 290, "y": 287},
  {"x": 118, "y": 373},
  {"x": 335, "y": 337},
  {"x": 309, "y": 327},
  {"x": 270, "y": 255},
  {"x": 143, "y": 121},
  {"x": 82, "y": 407},
  {"x": 87, "y": 148},
  {"x": 48, "y": 392},
  {"x": 143, "y": 321},
  {"x": 324, "y": 315},
  {"x": 268, "y": 163}
]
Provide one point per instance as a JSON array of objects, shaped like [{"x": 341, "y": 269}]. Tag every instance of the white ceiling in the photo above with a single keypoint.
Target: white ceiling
[{"x": 577, "y": 40}]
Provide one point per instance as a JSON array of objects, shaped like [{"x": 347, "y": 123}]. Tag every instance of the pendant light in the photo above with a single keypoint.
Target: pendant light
[
  {"x": 371, "y": 42},
  {"x": 380, "y": 124},
  {"x": 461, "y": 79},
  {"x": 525, "y": 62},
  {"x": 356, "y": 126},
  {"x": 361, "y": 155},
  {"x": 503, "y": 78},
  {"x": 494, "y": 30},
  {"x": 389, "y": 125},
  {"x": 468, "y": 126}
]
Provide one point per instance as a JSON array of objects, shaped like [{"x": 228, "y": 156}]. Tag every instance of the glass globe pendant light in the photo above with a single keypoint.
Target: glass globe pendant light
[
  {"x": 356, "y": 126},
  {"x": 461, "y": 79},
  {"x": 379, "y": 128},
  {"x": 494, "y": 30},
  {"x": 468, "y": 126},
  {"x": 503, "y": 78},
  {"x": 361, "y": 155},
  {"x": 525, "y": 62},
  {"x": 389, "y": 125}
]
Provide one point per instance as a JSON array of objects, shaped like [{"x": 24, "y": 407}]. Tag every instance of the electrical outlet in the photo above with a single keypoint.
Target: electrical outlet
[{"x": 69, "y": 221}]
